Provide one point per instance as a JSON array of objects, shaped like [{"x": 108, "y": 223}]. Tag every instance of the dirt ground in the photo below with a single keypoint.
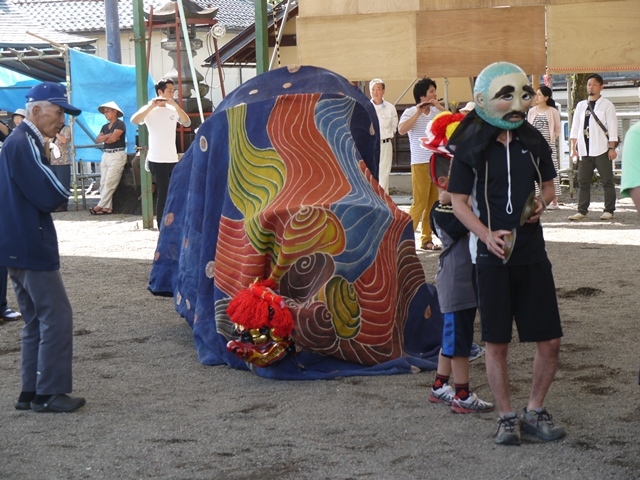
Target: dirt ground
[{"x": 154, "y": 412}]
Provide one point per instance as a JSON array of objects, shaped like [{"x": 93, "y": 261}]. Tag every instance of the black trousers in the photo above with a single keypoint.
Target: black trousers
[{"x": 162, "y": 175}]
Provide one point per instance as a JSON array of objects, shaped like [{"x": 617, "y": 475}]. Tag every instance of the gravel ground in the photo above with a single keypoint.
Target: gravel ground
[{"x": 154, "y": 412}]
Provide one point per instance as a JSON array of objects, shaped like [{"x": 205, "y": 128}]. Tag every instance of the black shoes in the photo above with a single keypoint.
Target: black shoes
[
  {"x": 10, "y": 315},
  {"x": 55, "y": 404},
  {"x": 23, "y": 405}
]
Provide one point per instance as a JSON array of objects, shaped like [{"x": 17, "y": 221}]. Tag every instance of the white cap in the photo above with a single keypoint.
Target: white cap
[
  {"x": 468, "y": 107},
  {"x": 20, "y": 111}
]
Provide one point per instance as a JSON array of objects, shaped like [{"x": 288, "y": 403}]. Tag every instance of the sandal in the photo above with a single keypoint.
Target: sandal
[
  {"x": 102, "y": 212},
  {"x": 431, "y": 247},
  {"x": 93, "y": 211}
]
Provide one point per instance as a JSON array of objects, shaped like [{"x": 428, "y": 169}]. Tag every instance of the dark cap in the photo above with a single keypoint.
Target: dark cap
[{"x": 54, "y": 93}]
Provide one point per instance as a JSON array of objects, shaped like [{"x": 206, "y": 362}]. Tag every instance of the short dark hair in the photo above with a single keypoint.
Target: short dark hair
[
  {"x": 596, "y": 77},
  {"x": 162, "y": 84},
  {"x": 421, "y": 88},
  {"x": 546, "y": 91}
]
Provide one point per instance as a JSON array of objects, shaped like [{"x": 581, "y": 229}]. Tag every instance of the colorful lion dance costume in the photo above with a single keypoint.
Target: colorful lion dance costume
[{"x": 275, "y": 209}]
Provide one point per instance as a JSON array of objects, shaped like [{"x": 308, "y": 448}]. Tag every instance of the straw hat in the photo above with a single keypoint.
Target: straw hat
[{"x": 112, "y": 105}]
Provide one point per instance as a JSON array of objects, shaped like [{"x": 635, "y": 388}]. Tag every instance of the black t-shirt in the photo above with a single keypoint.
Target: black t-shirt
[
  {"x": 118, "y": 125},
  {"x": 587, "y": 123},
  {"x": 509, "y": 185}
]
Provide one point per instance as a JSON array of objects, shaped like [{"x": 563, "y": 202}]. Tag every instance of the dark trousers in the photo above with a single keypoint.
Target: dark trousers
[
  {"x": 63, "y": 174},
  {"x": 3, "y": 289},
  {"x": 47, "y": 336},
  {"x": 162, "y": 175},
  {"x": 585, "y": 173}
]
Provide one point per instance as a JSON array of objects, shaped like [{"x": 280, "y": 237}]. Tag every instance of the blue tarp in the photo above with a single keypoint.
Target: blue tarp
[
  {"x": 94, "y": 81},
  {"x": 13, "y": 87}
]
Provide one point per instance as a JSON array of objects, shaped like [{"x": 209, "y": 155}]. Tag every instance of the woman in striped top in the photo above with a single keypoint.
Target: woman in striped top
[{"x": 544, "y": 116}]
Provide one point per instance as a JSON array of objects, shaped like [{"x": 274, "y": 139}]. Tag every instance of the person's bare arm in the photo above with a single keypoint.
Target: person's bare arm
[
  {"x": 547, "y": 193},
  {"x": 109, "y": 138},
  {"x": 406, "y": 125},
  {"x": 184, "y": 118},
  {"x": 574, "y": 148},
  {"x": 493, "y": 240},
  {"x": 61, "y": 138},
  {"x": 140, "y": 115}
]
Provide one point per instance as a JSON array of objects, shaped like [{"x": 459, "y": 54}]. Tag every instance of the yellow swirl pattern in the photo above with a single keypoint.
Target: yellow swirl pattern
[
  {"x": 255, "y": 178},
  {"x": 342, "y": 302},
  {"x": 311, "y": 230}
]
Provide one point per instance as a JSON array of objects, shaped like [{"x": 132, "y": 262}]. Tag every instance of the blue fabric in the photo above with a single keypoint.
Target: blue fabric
[
  {"x": 280, "y": 184},
  {"x": 13, "y": 89}
]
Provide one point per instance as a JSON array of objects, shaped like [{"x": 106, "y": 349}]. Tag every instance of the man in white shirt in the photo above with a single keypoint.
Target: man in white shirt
[
  {"x": 414, "y": 122},
  {"x": 160, "y": 116},
  {"x": 595, "y": 147},
  {"x": 388, "y": 119}
]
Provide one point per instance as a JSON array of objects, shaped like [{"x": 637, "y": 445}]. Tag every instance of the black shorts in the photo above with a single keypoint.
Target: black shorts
[
  {"x": 457, "y": 333},
  {"x": 524, "y": 292}
]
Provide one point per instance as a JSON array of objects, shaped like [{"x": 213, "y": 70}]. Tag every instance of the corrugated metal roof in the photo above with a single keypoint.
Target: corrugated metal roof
[{"x": 78, "y": 16}]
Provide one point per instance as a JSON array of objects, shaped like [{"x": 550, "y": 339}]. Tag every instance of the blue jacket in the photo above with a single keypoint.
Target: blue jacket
[{"x": 29, "y": 191}]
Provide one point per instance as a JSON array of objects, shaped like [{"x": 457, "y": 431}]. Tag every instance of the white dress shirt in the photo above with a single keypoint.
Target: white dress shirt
[{"x": 598, "y": 143}]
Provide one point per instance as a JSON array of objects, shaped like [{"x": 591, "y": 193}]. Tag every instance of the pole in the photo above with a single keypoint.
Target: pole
[
  {"x": 72, "y": 148},
  {"x": 192, "y": 68},
  {"x": 280, "y": 32},
  {"x": 143, "y": 97},
  {"x": 262, "y": 37},
  {"x": 114, "y": 52},
  {"x": 405, "y": 91},
  {"x": 570, "y": 110}
]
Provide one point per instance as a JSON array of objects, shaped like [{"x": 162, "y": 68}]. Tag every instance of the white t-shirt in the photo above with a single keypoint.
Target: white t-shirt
[
  {"x": 161, "y": 123},
  {"x": 419, "y": 129}
]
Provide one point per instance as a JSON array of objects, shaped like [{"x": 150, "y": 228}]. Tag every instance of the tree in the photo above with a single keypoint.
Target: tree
[{"x": 578, "y": 90}]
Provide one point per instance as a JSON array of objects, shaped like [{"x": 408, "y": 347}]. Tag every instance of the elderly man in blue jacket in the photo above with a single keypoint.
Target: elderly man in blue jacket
[{"x": 29, "y": 192}]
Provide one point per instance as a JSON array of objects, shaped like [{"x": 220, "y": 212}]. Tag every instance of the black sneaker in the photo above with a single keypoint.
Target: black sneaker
[{"x": 10, "y": 315}]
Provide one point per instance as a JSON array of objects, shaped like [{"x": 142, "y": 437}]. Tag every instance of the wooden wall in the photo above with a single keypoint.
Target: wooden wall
[
  {"x": 594, "y": 36},
  {"x": 480, "y": 37},
  {"x": 406, "y": 39}
]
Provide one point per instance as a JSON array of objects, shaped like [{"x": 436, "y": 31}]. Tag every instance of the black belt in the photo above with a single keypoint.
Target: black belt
[
  {"x": 113, "y": 150},
  {"x": 386, "y": 140}
]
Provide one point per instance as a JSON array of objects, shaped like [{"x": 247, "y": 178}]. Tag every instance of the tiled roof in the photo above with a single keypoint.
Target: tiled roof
[
  {"x": 77, "y": 16},
  {"x": 14, "y": 25}
]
